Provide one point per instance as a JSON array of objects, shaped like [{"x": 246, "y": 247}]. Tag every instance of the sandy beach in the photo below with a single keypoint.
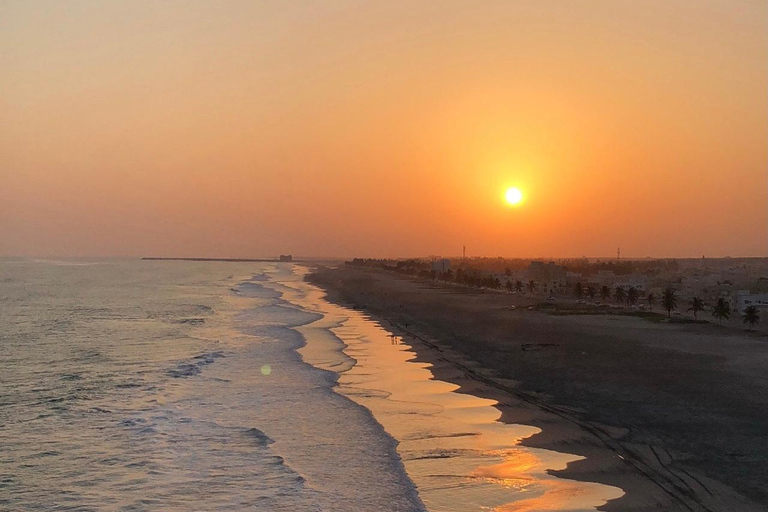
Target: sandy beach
[{"x": 675, "y": 415}]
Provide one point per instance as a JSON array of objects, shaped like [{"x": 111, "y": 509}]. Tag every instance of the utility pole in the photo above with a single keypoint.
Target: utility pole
[
  {"x": 618, "y": 254},
  {"x": 463, "y": 252}
]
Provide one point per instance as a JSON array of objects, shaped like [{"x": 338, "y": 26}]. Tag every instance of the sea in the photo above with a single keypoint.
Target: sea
[{"x": 131, "y": 385}]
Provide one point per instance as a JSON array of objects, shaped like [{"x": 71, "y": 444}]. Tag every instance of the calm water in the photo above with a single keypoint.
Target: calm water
[{"x": 134, "y": 386}]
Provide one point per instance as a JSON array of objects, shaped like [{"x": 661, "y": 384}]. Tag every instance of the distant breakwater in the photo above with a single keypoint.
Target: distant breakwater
[{"x": 231, "y": 260}]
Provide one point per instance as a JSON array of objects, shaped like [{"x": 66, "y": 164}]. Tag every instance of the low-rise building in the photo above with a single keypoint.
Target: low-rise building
[
  {"x": 711, "y": 294},
  {"x": 746, "y": 299},
  {"x": 573, "y": 277},
  {"x": 441, "y": 266},
  {"x": 556, "y": 287}
]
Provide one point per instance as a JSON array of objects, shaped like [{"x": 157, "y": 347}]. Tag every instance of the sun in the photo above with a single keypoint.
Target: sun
[{"x": 514, "y": 196}]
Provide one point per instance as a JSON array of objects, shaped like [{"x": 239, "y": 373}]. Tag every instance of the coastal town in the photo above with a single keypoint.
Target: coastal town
[{"x": 728, "y": 291}]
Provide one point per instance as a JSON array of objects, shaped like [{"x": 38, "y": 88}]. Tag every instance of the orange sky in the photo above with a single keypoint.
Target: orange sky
[{"x": 362, "y": 128}]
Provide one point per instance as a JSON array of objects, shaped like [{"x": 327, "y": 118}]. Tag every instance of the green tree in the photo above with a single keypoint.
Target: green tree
[
  {"x": 669, "y": 300},
  {"x": 651, "y": 299},
  {"x": 722, "y": 310},
  {"x": 518, "y": 286},
  {"x": 751, "y": 316},
  {"x": 605, "y": 292},
  {"x": 531, "y": 286},
  {"x": 578, "y": 290},
  {"x": 696, "y": 305},
  {"x": 620, "y": 295},
  {"x": 632, "y": 296}
]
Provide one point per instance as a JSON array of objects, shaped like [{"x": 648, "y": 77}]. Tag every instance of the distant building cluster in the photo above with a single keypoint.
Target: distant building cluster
[
  {"x": 737, "y": 283},
  {"x": 286, "y": 257}
]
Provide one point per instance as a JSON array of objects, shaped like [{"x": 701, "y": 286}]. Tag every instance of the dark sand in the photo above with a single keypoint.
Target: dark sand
[{"x": 682, "y": 409}]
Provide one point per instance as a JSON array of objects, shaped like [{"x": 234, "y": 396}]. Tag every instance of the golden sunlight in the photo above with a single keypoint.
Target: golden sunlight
[{"x": 514, "y": 196}]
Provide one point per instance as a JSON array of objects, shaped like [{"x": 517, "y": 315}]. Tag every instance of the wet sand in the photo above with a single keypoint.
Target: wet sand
[
  {"x": 676, "y": 416},
  {"x": 450, "y": 440}
]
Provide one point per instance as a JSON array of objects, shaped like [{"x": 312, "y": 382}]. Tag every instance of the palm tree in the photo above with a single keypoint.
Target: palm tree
[
  {"x": 578, "y": 290},
  {"x": 605, "y": 292},
  {"x": 751, "y": 316},
  {"x": 509, "y": 286},
  {"x": 619, "y": 295},
  {"x": 669, "y": 300},
  {"x": 591, "y": 291},
  {"x": 651, "y": 299},
  {"x": 518, "y": 286},
  {"x": 531, "y": 286},
  {"x": 722, "y": 310},
  {"x": 696, "y": 305},
  {"x": 632, "y": 296}
]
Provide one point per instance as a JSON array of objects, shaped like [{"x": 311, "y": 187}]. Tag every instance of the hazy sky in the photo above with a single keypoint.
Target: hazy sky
[{"x": 387, "y": 128}]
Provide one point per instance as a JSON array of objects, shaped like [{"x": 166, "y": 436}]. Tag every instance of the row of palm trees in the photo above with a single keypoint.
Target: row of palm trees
[
  {"x": 631, "y": 296},
  {"x": 518, "y": 286},
  {"x": 721, "y": 310}
]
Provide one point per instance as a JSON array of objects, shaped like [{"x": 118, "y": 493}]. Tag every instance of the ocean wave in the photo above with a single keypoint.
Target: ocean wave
[
  {"x": 190, "y": 321},
  {"x": 254, "y": 290},
  {"x": 195, "y": 366},
  {"x": 278, "y": 315},
  {"x": 438, "y": 435},
  {"x": 191, "y": 314},
  {"x": 260, "y": 437},
  {"x": 129, "y": 433}
]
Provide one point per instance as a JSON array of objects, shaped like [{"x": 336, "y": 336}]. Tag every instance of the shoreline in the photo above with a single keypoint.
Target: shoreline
[
  {"x": 654, "y": 471},
  {"x": 448, "y": 432}
]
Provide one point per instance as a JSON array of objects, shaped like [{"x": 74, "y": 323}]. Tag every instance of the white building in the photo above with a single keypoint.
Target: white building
[{"x": 746, "y": 299}]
